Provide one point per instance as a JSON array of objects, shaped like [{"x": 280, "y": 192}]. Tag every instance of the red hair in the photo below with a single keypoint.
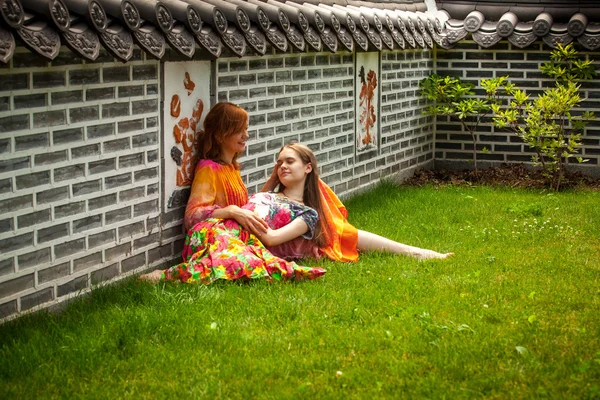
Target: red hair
[{"x": 223, "y": 120}]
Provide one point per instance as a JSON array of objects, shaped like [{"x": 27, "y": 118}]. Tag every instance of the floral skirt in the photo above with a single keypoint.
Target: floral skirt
[{"x": 222, "y": 249}]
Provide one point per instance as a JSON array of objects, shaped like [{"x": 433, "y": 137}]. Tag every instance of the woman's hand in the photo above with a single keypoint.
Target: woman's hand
[{"x": 248, "y": 219}]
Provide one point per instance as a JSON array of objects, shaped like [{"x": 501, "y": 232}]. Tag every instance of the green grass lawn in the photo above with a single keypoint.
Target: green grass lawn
[{"x": 515, "y": 313}]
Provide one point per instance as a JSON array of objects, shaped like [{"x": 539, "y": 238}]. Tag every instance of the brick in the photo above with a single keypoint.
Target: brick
[
  {"x": 84, "y": 76},
  {"x": 49, "y": 196},
  {"x": 49, "y": 118},
  {"x": 153, "y": 189},
  {"x": 5, "y": 103},
  {"x": 85, "y": 151},
  {"x": 67, "y": 136},
  {"x": 103, "y": 130},
  {"x": 100, "y": 94},
  {"x": 30, "y": 101},
  {"x": 117, "y": 251},
  {"x": 144, "y": 106},
  {"x": 131, "y": 126},
  {"x": 173, "y": 232},
  {"x": 17, "y": 285},
  {"x": 118, "y": 215},
  {"x": 132, "y": 263},
  {"x": 131, "y": 160},
  {"x": 151, "y": 122},
  {"x": 33, "y": 179},
  {"x": 69, "y": 248},
  {"x": 75, "y": 285},
  {"x": 37, "y": 298},
  {"x": 87, "y": 223},
  {"x": 160, "y": 253},
  {"x": 54, "y": 272},
  {"x": 7, "y": 266},
  {"x": 35, "y": 258},
  {"x": 102, "y": 238},
  {"x": 227, "y": 81},
  {"x": 145, "y": 72},
  {"x": 53, "y": 232},
  {"x": 49, "y": 79},
  {"x": 115, "y": 145},
  {"x": 131, "y": 194},
  {"x": 114, "y": 110},
  {"x": 86, "y": 262},
  {"x": 105, "y": 274},
  {"x": 102, "y": 201},
  {"x": 237, "y": 95},
  {"x": 102, "y": 166},
  {"x": 72, "y": 96},
  {"x": 50, "y": 158},
  {"x": 14, "y": 164},
  {"x": 148, "y": 173},
  {"x": 131, "y": 230},
  {"x": 82, "y": 114},
  {"x": 71, "y": 172},
  {"x": 145, "y": 208},
  {"x": 131, "y": 91},
  {"x": 265, "y": 77},
  {"x": 7, "y": 225},
  {"x": 80, "y": 189},
  {"x": 8, "y": 308},
  {"x": 16, "y": 203},
  {"x": 146, "y": 139},
  {"x": 115, "y": 74},
  {"x": 117, "y": 180},
  {"x": 14, "y": 123},
  {"x": 69, "y": 209},
  {"x": 31, "y": 219},
  {"x": 151, "y": 89},
  {"x": 145, "y": 241}
]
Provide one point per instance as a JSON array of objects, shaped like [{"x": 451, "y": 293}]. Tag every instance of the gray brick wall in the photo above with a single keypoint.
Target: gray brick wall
[
  {"x": 310, "y": 98},
  {"x": 79, "y": 172},
  {"x": 453, "y": 147}
]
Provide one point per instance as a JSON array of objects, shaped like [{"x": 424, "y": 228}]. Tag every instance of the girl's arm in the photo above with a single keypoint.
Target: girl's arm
[{"x": 294, "y": 229}]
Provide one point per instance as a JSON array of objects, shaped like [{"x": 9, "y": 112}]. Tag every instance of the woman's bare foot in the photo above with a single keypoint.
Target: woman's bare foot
[
  {"x": 430, "y": 254},
  {"x": 153, "y": 276}
]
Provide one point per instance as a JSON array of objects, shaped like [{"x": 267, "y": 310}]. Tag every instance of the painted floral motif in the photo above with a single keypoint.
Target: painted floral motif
[
  {"x": 367, "y": 116},
  {"x": 187, "y": 133}
]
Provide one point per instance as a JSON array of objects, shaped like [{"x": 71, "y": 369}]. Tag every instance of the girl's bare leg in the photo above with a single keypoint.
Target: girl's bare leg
[{"x": 370, "y": 241}]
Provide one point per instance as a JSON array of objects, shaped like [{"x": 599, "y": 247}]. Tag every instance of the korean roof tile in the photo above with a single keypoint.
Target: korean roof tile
[
  {"x": 253, "y": 27},
  {"x": 216, "y": 27},
  {"x": 521, "y": 23}
]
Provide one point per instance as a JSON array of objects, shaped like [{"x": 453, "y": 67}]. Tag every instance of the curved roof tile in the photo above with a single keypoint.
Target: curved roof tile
[
  {"x": 215, "y": 26},
  {"x": 522, "y": 23}
]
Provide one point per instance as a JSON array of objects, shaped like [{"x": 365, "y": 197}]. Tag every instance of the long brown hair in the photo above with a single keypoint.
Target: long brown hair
[
  {"x": 224, "y": 119},
  {"x": 311, "y": 196}
]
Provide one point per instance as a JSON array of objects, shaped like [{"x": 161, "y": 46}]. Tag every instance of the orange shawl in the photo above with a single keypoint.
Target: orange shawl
[{"x": 342, "y": 239}]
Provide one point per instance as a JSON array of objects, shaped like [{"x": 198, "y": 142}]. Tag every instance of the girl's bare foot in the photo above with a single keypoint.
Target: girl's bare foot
[
  {"x": 430, "y": 254},
  {"x": 153, "y": 276}
]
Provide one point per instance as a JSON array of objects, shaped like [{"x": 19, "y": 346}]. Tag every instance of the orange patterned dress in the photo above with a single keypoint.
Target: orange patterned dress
[{"x": 215, "y": 186}]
